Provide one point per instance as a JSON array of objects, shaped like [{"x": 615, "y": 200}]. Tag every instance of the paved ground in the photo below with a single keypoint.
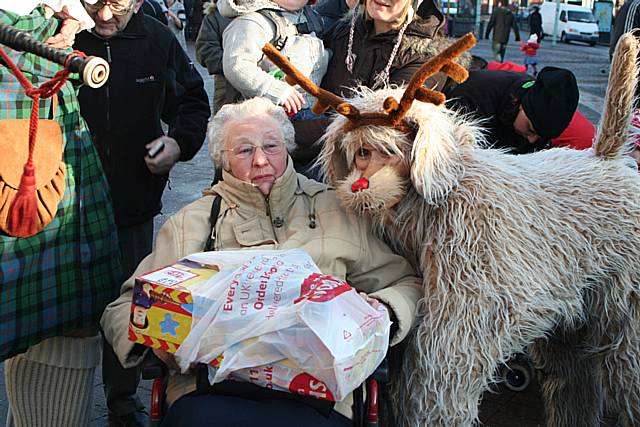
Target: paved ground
[{"x": 502, "y": 408}]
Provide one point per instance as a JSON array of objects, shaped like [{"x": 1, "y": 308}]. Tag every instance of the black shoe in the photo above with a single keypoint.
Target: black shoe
[{"x": 132, "y": 419}]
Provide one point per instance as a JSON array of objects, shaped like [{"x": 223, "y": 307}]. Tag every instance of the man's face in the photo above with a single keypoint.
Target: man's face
[
  {"x": 523, "y": 127},
  {"x": 368, "y": 161},
  {"x": 112, "y": 16}
]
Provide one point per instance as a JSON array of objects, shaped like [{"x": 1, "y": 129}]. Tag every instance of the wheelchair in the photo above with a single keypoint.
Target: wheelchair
[{"x": 366, "y": 413}]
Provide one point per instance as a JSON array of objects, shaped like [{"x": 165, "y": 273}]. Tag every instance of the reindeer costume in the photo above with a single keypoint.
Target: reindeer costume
[{"x": 539, "y": 250}]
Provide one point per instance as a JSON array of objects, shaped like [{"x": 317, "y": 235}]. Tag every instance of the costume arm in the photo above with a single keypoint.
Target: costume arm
[
  {"x": 241, "y": 55},
  {"x": 209, "y": 44},
  {"x": 186, "y": 107}
]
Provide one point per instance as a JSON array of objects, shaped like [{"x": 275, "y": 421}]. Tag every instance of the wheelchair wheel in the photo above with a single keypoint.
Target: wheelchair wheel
[{"x": 516, "y": 376}]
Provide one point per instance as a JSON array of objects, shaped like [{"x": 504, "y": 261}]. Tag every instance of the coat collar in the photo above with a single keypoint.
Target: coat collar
[{"x": 282, "y": 195}]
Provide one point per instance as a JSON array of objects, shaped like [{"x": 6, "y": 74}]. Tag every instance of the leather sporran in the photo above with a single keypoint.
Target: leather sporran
[{"x": 49, "y": 168}]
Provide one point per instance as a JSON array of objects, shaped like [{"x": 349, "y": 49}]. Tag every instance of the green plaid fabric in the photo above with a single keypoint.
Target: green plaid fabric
[{"x": 59, "y": 280}]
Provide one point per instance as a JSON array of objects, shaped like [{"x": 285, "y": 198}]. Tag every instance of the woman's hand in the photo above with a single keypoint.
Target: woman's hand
[
  {"x": 166, "y": 358},
  {"x": 293, "y": 103},
  {"x": 375, "y": 303}
]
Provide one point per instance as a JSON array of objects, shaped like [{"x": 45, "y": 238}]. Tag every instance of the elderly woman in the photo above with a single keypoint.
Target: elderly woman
[
  {"x": 383, "y": 43},
  {"x": 267, "y": 205}
]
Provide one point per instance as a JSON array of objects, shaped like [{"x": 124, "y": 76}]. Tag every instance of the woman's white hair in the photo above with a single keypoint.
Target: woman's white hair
[{"x": 251, "y": 108}]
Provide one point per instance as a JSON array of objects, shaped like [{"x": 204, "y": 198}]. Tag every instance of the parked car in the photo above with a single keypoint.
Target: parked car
[{"x": 574, "y": 22}]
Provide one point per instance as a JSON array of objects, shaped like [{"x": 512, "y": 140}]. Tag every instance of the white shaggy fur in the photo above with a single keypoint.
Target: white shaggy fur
[{"x": 539, "y": 251}]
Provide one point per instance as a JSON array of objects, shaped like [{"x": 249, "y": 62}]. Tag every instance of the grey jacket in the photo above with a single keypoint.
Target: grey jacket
[
  {"x": 209, "y": 41},
  {"x": 244, "y": 65}
]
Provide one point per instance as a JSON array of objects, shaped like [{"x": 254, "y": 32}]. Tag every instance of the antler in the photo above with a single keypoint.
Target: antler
[
  {"x": 324, "y": 98},
  {"x": 394, "y": 112},
  {"x": 441, "y": 62}
]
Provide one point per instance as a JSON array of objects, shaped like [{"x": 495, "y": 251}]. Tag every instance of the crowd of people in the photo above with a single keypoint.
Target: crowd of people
[{"x": 122, "y": 140}]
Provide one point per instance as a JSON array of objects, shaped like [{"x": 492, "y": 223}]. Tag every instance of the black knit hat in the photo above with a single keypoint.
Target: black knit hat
[{"x": 551, "y": 102}]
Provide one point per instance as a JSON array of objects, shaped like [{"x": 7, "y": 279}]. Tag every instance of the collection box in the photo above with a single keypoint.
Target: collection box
[{"x": 162, "y": 304}]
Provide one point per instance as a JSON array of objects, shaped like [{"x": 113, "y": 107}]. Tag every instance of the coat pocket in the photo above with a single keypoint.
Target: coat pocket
[{"x": 254, "y": 232}]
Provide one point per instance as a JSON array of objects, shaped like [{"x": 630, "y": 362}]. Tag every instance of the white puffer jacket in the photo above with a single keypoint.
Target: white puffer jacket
[{"x": 244, "y": 65}]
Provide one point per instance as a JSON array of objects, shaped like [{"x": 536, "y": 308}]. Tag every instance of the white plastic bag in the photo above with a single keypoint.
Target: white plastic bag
[{"x": 280, "y": 323}]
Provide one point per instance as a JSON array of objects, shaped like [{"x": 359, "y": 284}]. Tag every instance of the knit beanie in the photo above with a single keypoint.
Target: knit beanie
[{"x": 551, "y": 101}]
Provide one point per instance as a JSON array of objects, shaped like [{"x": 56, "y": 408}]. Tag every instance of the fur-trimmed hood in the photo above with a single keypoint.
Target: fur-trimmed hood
[
  {"x": 428, "y": 48},
  {"x": 233, "y": 8}
]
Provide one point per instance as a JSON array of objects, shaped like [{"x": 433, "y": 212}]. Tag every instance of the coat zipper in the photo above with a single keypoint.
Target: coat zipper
[
  {"x": 108, "y": 47},
  {"x": 108, "y": 103}
]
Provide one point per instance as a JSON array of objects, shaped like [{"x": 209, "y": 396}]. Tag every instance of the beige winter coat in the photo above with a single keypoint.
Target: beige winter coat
[{"x": 340, "y": 244}]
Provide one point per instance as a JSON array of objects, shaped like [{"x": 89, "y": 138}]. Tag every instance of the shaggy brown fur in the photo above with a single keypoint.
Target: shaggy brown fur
[{"x": 540, "y": 250}]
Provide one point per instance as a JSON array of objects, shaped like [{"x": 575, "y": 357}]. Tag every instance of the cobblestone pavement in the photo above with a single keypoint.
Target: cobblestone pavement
[{"x": 501, "y": 408}]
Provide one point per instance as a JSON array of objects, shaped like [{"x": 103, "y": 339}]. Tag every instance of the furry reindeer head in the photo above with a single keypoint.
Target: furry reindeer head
[{"x": 377, "y": 148}]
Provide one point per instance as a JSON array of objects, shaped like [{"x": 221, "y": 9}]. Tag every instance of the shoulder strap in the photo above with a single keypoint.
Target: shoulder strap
[
  {"x": 213, "y": 218},
  {"x": 281, "y": 27}
]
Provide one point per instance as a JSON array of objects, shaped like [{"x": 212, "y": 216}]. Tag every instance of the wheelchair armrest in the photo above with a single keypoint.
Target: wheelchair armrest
[{"x": 152, "y": 367}]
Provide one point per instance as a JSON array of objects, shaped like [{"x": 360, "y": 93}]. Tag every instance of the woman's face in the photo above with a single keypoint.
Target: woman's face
[
  {"x": 256, "y": 152},
  {"x": 385, "y": 13}
]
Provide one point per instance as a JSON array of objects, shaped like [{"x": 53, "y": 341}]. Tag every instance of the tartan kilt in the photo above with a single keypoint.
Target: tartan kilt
[{"x": 60, "y": 280}]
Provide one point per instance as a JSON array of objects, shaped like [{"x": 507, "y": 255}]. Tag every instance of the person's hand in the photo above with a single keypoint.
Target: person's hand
[
  {"x": 165, "y": 159},
  {"x": 166, "y": 358},
  {"x": 67, "y": 34},
  {"x": 293, "y": 103},
  {"x": 175, "y": 18},
  {"x": 373, "y": 302}
]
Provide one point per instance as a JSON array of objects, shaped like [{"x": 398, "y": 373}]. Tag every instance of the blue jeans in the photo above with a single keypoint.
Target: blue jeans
[
  {"x": 307, "y": 114},
  {"x": 228, "y": 411}
]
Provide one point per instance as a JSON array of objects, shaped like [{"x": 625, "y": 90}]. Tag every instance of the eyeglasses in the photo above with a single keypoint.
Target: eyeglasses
[
  {"x": 246, "y": 151},
  {"x": 116, "y": 7}
]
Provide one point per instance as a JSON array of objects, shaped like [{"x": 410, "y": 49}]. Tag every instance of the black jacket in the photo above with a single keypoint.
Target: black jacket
[
  {"x": 494, "y": 96},
  {"x": 151, "y": 79},
  {"x": 374, "y": 50},
  {"x": 535, "y": 22}
]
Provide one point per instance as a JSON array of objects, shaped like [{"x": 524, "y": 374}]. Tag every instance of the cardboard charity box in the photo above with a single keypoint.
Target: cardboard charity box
[{"x": 162, "y": 304}]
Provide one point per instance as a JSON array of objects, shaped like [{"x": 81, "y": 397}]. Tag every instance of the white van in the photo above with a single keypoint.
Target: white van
[{"x": 574, "y": 23}]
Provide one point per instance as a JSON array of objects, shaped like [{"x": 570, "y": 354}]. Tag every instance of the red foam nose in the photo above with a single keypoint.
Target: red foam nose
[{"x": 359, "y": 185}]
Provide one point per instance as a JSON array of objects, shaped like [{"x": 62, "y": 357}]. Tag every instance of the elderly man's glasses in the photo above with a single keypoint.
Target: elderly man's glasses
[
  {"x": 121, "y": 7},
  {"x": 246, "y": 151}
]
